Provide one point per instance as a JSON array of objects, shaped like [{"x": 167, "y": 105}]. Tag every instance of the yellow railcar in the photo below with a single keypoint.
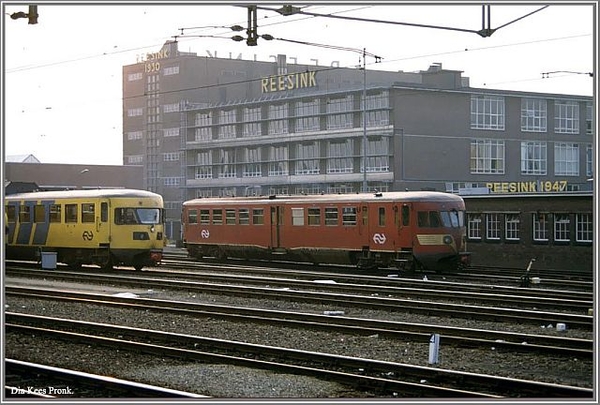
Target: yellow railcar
[{"x": 105, "y": 227}]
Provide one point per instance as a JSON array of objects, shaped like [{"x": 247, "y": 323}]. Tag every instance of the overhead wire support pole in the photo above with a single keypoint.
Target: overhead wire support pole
[
  {"x": 252, "y": 30},
  {"x": 364, "y": 114}
]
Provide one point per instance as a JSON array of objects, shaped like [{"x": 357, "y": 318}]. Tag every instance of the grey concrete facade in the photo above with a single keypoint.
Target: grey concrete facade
[{"x": 207, "y": 126}]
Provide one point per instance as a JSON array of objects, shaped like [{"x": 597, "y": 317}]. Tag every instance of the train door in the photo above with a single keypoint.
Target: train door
[
  {"x": 276, "y": 223},
  {"x": 405, "y": 236}
]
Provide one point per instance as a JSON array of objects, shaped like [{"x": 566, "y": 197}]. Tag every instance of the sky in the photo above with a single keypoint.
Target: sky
[{"x": 62, "y": 77}]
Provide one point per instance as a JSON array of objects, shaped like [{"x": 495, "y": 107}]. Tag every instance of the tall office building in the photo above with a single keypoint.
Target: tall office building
[{"x": 208, "y": 126}]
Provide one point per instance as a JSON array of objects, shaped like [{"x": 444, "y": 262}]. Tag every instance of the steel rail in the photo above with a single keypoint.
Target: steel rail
[
  {"x": 407, "y": 378},
  {"x": 97, "y": 384},
  {"x": 463, "y": 337},
  {"x": 372, "y": 302}
]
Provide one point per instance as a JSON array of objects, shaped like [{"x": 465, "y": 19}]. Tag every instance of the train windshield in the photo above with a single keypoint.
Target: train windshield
[
  {"x": 131, "y": 216},
  {"x": 453, "y": 219}
]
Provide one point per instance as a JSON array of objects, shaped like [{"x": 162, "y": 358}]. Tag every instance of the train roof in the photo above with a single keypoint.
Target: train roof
[
  {"x": 400, "y": 196},
  {"x": 87, "y": 193}
]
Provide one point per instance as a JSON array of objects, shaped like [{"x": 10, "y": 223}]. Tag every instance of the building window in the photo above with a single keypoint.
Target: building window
[
  {"x": 474, "y": 226},
  {"x": 533, "y": 157},
  {"x": 307, "y": 116},
  {"x": 566, "y": 117},
  {"x": 512, "y": 223},
  {"x": 131, "y": 77},
  {"x": 487, "y": 112},
  {"x": 252, "y": 125},
  {"x": 203, "y": 134},
  {"x": 534, "y": 113},
  {"x": 170, "y": 108},
  {"x": 540, "y": 227},
  {"x": 589, "y": 160},
  {"x": 584, "y": 228},
  {"x": 227, "y": 121},
  {"x": 562, "y": 223},
  {"x": 339, "y": 112},
  {"x": 171, "y": 70},
  {"x": 170, "y": 132},
  {"x": 307, "y": 158},
  {"x": 171, "y": 181},
  {"x": 589, "y": 118},
  {"x": 227, "y": 163},
  {"x": 135, "y": 112},
  {"x": 278, "y": 122},
  {"x": 566, "y": 159},
  {"x": 377, "y": 155},
  {"x": 492, "y": 226},
  {"x": 135, "y": 159},
  {"x": 204, "y": 168},
  {"x": 252, "y": 162},
  {"x": 339, "y": 155},
  {"x": 171, "y": 156},
  {"x": 487, "y": 156},
  {"x": 134, "y": 135},
  {"x": 278, "y": 161},
  {"x": 377, "y": 109}
]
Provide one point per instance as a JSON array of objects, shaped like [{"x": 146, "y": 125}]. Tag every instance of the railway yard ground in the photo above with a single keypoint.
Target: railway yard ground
[{"x": 220, "y": 379}]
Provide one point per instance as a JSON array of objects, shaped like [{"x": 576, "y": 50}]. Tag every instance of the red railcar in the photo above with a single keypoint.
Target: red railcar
[{"x": 409, "y": 230}]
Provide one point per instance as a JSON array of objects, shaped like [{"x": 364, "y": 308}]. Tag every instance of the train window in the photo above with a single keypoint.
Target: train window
[
  {"x": 429, "y": 219},
  {"x": 298, "y": 216},
  {"x": 55, "y": 213},
  {"x": 331, "y": 216},
  {"x": 349, "y": 216},
  {"x": 104, "y": 212},
  {"x": 204, "y": 217},
  {"x": 540, "y": 227},
  {"x": 244, "y": 216},
  {"x": 365, "y": 216},
  {"x": 217, "y": 217},
  {"x": 562, "y": 223},
  {"x": 258, "y": 216},
  {"x": 11, "y": 213},
  {"x": 147, "y": 216},
  {"x": 423, "y": 219},
  {"x": 192, "y": 217},
  {"x": 230, "y": 217},
  {"x": 314, "y": 216},
  {"x": 70, "y": 212},
  {"x": 25, "y": 213},
  {"x": 405, "y": 215},
  {"x": 452, "y": 219},
  {"x": 87, "y": 212},
  {"x": 512, "y": 224},
  {"x": 381, "y": 216},
  {"x": 39, "y": 213}
]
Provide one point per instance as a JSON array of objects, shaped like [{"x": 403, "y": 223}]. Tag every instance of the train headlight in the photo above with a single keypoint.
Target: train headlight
[
  {"x": 447, "y": 239},
  {"x": 152, "y": 229}
]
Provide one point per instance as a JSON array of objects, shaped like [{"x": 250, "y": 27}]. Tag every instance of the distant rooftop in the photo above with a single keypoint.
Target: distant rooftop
[{"x": 22, "y": 159}]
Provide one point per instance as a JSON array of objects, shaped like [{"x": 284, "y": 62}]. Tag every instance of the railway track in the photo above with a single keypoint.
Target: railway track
[
  {"x": 30, "y": 380},
  {"x": 460, "y": 337},
  {"x": 580, "y": 280},
  {"x": 396, "y": 379},
  {"x": 377, "y": 299}
]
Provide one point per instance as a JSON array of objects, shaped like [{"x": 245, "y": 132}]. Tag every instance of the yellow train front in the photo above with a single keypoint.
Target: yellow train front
[{"x": 104, "y": 227}]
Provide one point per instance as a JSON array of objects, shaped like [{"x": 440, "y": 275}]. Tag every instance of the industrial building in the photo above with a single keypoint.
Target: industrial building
[{"x": 205, "y": 126}]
